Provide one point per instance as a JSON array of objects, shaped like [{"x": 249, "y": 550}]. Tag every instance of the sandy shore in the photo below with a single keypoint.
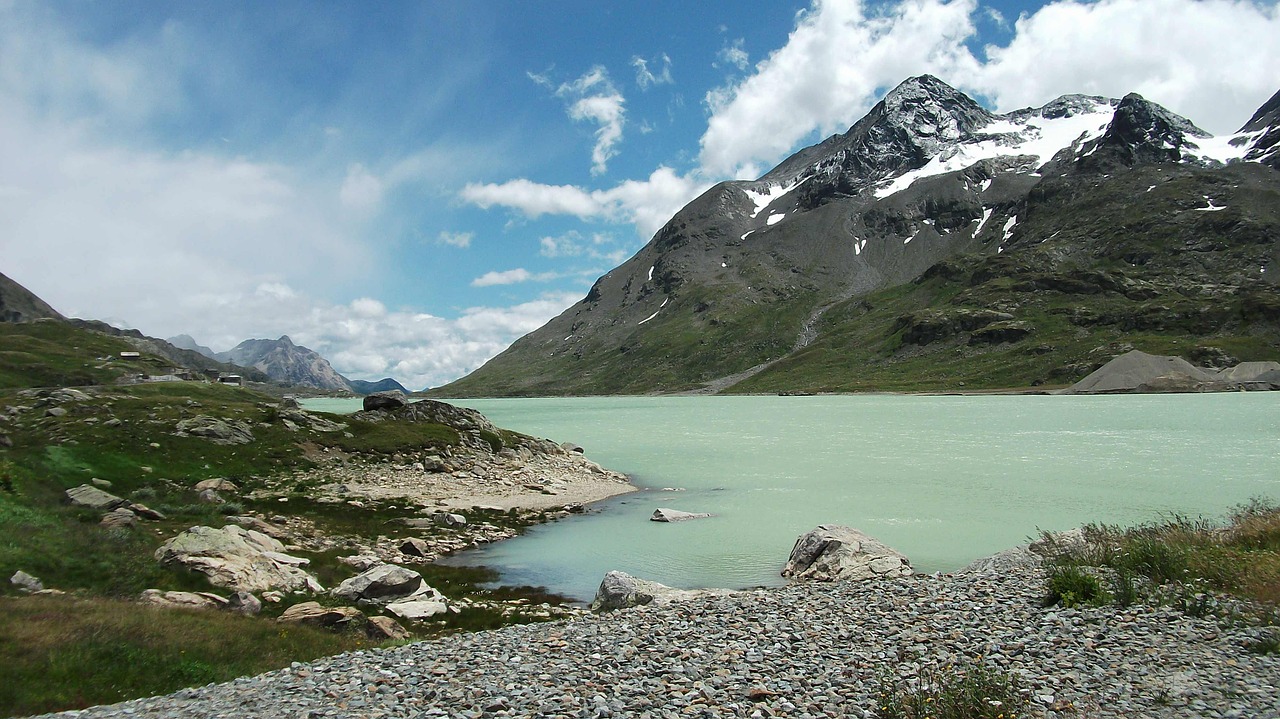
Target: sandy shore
[{"x": 529, "y": 481}]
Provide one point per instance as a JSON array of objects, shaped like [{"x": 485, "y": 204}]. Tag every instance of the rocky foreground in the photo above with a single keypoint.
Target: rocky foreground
[{"x": 807, "y": 650}]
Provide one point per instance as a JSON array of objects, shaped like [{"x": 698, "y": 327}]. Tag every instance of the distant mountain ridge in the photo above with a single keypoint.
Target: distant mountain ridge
[
  {"x": 936, "y": 243},
  {"x": 283, "y": 361}
]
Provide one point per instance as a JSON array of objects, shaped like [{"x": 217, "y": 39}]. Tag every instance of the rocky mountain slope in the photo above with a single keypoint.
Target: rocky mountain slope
[
  {"x": 934, "y": 245},
  {"x": 285, "y": 362},
  {"x": 18, "y": 304}
]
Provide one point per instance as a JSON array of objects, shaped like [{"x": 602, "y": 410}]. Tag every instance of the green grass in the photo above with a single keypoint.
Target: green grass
[
  {"x": 970, "y": 691},
  {"x": 66, "y": 652},
  {"x": 1180, "y": 560}
]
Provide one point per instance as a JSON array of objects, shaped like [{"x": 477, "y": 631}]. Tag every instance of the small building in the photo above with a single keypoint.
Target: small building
[
  {"x": 231, "y": 379},
  {"x": 130, "y": 355}
]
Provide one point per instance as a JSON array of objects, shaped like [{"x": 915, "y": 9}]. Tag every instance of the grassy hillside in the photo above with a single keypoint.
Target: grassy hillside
[{"x": 94, "y": 644}]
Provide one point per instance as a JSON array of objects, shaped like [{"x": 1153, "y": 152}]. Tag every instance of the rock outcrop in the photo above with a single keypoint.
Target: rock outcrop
[
  {"x": 238, "y": 559},
  {"x": 183, "y": 600},
  {"x": 830, "y": 553},
  {"x": 216, "y": 429}
]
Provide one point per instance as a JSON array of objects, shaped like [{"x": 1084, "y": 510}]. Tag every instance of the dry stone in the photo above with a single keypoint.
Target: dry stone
[
  {"x": 418, "y": 609},
  {"x": 26, "y": 582},
  {"x": 87, "y": 495},
  {"x": 182, "y": 600},
  {"x": 318, "y": 616},
  {"x": 383, "y": 584},
  {"x": 831, "y": 552},
  {"x": 619, "y": 590},
  {"x": 384, "y": 629},
  {"x": 238, "y": 559}
]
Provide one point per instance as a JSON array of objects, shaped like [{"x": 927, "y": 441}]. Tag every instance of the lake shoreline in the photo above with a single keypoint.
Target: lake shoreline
[{"x": 801, "y": 650}]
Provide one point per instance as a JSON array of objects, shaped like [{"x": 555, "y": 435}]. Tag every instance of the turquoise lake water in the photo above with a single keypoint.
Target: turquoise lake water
[{"x": 945, "y": 479}]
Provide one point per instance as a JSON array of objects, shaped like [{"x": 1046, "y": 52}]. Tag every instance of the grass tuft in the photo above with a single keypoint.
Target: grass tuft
[{"x": 971, "y": 691}]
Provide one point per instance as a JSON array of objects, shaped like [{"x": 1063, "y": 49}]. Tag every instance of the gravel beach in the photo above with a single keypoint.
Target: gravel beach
[{"x": 806, "y": 650}]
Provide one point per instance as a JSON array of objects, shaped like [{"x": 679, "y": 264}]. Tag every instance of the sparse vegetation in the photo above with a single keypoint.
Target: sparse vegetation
[
  {"x": 970, "y": 691},
  {"x": 1179, "y": 561}
]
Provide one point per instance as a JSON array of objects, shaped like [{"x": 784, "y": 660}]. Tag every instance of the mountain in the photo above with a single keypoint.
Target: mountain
[
  {"x": 936, "y": 244},
  {"x": 387, "y": 384},
  {"x": 285, "y": 362},
  {"x": 187, "y": 342},
  {"x": 18, "y": 304}
]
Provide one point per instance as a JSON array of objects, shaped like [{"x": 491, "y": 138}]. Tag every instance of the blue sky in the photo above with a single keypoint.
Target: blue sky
[{"x": 407, "y": 187}]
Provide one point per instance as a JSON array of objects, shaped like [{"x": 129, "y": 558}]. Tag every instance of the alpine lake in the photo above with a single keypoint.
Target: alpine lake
[{"x": 944, "y": 479}]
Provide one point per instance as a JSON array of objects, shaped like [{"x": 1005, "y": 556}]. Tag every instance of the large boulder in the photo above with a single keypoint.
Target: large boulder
[
  {"x": 831, "y": 552},
  {"x": 619, "y": 590},
  {"x": 87, "y": 495},
  {"x": 663, "y": 514},
  {"x": 317, "y": 616},
  {"x": 238, "y": 559},
  {"x": 384, "y": 584},
  {"x": 391, "y": 399}
]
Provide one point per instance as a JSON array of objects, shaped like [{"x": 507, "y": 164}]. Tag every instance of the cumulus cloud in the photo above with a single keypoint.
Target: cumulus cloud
[
  {"x": 418, "y": 349},
  {"x": 360, "y": 190},
  {"x": 647, "y": 78},
  {"x": 593, "y": 98},
  {"x": 646, "y": 203},
  {"x": 836, "y": 61},
  {"x": 1214, "y": 61}
]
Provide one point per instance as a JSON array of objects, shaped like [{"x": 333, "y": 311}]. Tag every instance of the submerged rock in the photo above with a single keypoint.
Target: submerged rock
[
  {"x": 663, "y": 514},
  {"x": 831, "y": 552}
]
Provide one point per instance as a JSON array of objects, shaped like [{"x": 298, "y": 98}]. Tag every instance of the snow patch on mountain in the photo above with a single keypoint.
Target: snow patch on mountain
[
  {"x": 761, "y": 200},
  {"x": 1012, "y": 135}
]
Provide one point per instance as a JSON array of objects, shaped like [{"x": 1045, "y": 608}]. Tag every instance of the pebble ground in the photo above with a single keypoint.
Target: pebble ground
[{"x": 816, "y": 650}]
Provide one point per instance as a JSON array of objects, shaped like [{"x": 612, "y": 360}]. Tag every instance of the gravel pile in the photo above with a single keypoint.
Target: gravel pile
[{"x": 802, "y": 651}]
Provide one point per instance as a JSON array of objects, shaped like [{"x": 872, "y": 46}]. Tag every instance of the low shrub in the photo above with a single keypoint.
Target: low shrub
[{"x": 1069, "y": 585}]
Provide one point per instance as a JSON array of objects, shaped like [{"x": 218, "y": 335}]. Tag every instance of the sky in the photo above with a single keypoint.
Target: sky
[{"x": 408, "y": 187}]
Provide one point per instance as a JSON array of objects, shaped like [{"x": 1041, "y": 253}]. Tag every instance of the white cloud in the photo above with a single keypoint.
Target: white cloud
[
  {"x": 460, "y": 240},
  {"x": 505, "y": 277},
  {"x": 647, "y": 78},
  {"x": 1213, "y": 61},
  {"x": 417, "y": 349},
  {"x": 593, "y": 98},
  {"x": 646, "y": 203},
  {"x": 836, "y": 61},
  {"x": 733, "y": 55},
  {"x": 601, "y": 246}
]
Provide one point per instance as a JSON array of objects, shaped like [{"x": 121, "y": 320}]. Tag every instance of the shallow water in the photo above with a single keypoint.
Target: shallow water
[{"x": 944, "y": 479}]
